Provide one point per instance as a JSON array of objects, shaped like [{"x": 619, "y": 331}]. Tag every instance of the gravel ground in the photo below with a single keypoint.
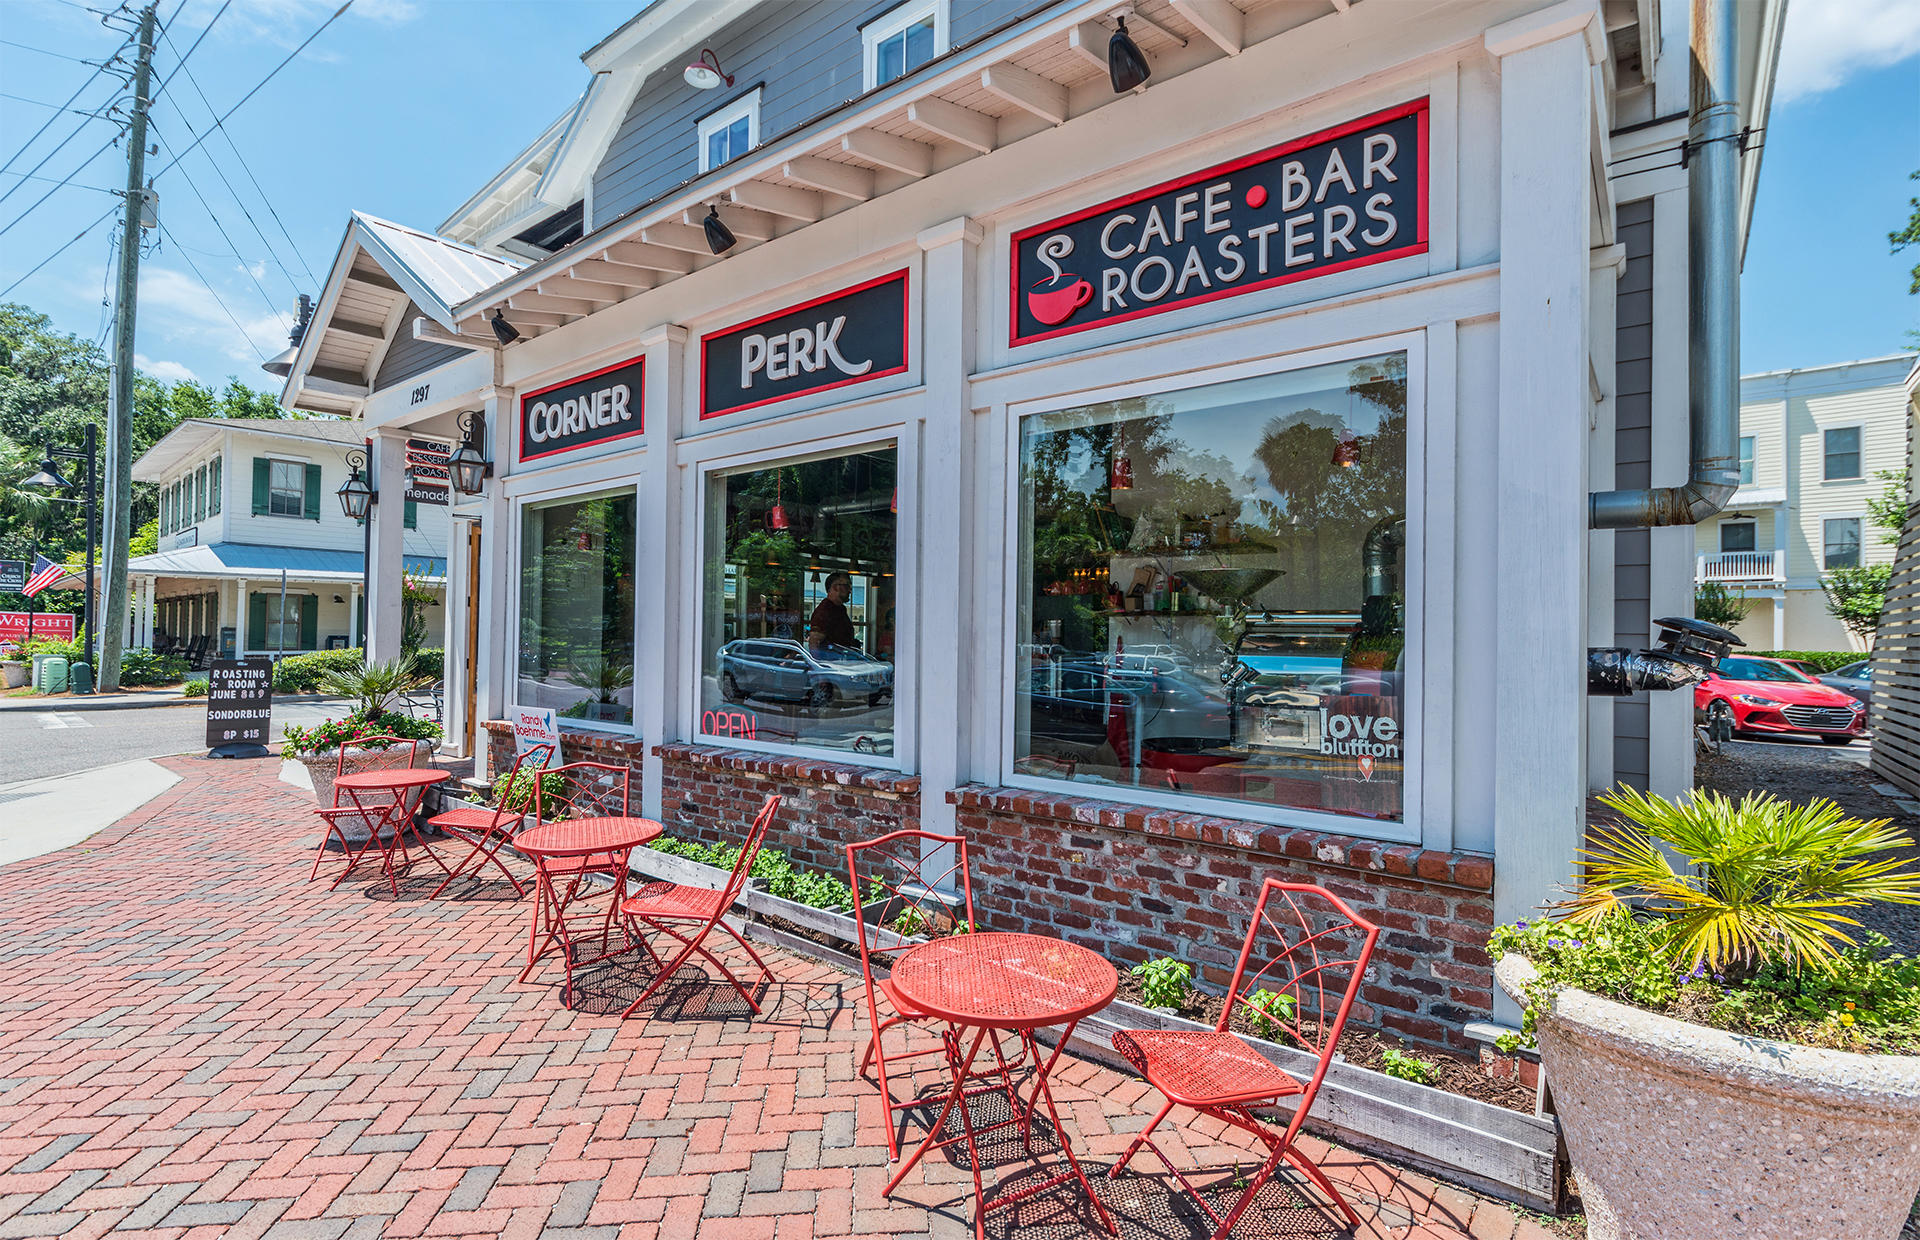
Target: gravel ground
[{"x": 1802, "y": 770}]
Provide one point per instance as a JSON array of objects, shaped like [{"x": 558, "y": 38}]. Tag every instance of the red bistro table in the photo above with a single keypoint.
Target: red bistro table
[
  {"x": 1015, "y": 982},
  {"x": 581, "y": 842},
  {"x": 389, "y": 820}
]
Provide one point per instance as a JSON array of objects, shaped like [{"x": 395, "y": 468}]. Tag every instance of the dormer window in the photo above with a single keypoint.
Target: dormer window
[
  {"x": 902, "y": 39},
  {"x": 730, "y": 132}
]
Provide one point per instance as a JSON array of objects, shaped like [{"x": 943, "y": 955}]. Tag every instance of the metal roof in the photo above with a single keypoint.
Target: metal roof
[
  {"x": 252, "y": 561},
  {"x": 450, "y": 271},
  {"x": 193, "y": 436}
]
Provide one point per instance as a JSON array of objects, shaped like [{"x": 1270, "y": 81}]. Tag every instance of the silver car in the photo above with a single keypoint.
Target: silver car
[{"x": 1855, "y": 680}]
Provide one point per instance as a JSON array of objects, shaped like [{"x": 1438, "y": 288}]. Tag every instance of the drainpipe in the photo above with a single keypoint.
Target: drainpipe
[{"x": 1712, "y": 156}]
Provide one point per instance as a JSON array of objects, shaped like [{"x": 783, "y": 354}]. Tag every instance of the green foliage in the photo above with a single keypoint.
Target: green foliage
[
  {"x": 1396, "y": 1062},
  {"x": 600, "y": 676},
  {"x": 196, "y": 688},
  {"x": 1889, "y": 508},
  {"x": 513, "y": 790},
  {"x": 374, "y": 686},
  {"x": 1269, "y": 1014},
  {"x": 1164, "y": 981},
  {"x": 776, "y": 873},
  {"x": 1716, "y": 604},
  {"x": 302, "y": 673},
  {"x": 1818, "y": 660},
  {"x": 331, "y": 734},
  {"x": 1909, "y": 234},
  {"x": 144, "y": 667},
  {"x": 415, "y": 597},
  {"x": 1857, "y": 597},
  {"x": 145, "y": 541},
  {"x": 1510, "y": 1043},
  {"x": 70, "y": 651}
]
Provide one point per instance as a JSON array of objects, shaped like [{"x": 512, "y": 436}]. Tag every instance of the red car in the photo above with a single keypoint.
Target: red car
[{"x": 1767, "y": 696}]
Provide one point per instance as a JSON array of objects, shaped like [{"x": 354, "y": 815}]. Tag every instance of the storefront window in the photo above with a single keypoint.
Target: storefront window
[
  {"x": 576, "y": 608},
  {"x": 798, "y": 642},
  {"x": 1212, "y": 592}
]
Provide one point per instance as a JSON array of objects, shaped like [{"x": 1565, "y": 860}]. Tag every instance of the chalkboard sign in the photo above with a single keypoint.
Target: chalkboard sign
[{"x": 240, "y": 707}]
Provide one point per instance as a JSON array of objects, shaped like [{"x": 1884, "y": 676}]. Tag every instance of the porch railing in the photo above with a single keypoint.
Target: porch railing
[{"x": 1742, "y": 566}]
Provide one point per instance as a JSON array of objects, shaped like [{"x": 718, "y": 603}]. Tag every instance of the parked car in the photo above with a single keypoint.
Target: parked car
[
  {"x": 1765, "y": 696},
  {"x": 1073, "y": 707},
  {"x": 1855, "y": 680},
  {"x": 788, "y": 671}
]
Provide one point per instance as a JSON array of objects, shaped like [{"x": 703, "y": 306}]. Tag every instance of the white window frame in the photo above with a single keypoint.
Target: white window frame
[
  {"x": 627, "y": 482},
  {"x": 291, "y": 463},
  {"x": 1749, "y": 523},
  {"x": 1827, "y": 519},
  {"x": 891, "y": 23},
  {"x": 766, "y": 451},
  {"x": 1860, "y": 452},
  {"x": 1747, "y": 458},
  {"x": 1419, "y": 747},
  {"x": 723, "y": 117}
]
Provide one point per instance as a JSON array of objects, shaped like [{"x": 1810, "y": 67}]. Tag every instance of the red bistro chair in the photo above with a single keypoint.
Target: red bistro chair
[
  {"x": 382, "y": 753},
  {"x": 489, "y": 830},
  {"x": 662, "y": 906},
  {"x": 911, "y": 893},
  {"x": 1314, "y": 938}
]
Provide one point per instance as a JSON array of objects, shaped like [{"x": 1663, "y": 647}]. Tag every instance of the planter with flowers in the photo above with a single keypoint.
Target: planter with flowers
[
  {"x": 374, "y": 689},
  {"x": 1726, "y": 1059}
]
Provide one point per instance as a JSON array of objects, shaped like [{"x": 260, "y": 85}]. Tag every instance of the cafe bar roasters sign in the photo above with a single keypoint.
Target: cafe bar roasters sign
[
  {"x": 1343, "y": 198},
  {"x": 592, "y": 409},
  {"x": 853, "y": 336}
]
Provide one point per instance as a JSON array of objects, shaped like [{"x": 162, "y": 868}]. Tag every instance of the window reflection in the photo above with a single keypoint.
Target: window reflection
[
  {"x": 576, "y": 608},
  {"x": 1211, "y": 591}
]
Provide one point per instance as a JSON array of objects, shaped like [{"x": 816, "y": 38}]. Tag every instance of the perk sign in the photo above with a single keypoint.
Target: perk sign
[
  {"x": 851, "y": 336},
  {"x": 1344, "y": 198},
  {"x": 594, "y": 408},
  {"x": 240, "y": 701},
  {"x": 427, "y": 478}
]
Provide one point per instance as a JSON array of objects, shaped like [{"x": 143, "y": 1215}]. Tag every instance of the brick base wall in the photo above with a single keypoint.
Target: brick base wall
[
  {"x": 1135, "y": 884},
  {"x": 711, "y": 794},
  {"x": 575, "y": 746}
]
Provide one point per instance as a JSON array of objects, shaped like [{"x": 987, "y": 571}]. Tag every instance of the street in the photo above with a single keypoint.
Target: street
[{"x": 42, "y": 743}]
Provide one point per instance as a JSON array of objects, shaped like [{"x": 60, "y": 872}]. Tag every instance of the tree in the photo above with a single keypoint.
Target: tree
[
  {"x": 1857, "y": 596},
  {"x": 1716, "y": 604},
  {"x": 1888, "y": 510},
  {"x": 1903, "y": 237}
]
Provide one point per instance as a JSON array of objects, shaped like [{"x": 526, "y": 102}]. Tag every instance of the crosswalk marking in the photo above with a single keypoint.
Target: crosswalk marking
[{"x": 60, "y": 719}]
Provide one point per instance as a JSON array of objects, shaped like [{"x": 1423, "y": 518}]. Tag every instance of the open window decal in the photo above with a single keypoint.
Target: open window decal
[
  {"x": 1343, "y": 198},
  {"x": 851, "y": 336}
]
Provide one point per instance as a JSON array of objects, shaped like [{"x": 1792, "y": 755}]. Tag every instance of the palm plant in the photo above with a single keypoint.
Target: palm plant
[
  {"x": 18, "y": 462},
  {"x": 601, "y": 676},
  {"x": 375, "y": 685},
  {"x": 1760, "y": 880}
]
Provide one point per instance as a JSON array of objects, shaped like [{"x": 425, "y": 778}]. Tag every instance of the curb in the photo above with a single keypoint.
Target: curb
[{"x": 94, "y": 701}]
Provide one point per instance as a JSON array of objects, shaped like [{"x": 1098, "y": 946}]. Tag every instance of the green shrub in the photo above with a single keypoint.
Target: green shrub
[
  {"x": 331, "y": 734},
  {"x": 70, "y": 651},
  {"x": 517, "y": 795},
  {"x": 1164, "y": 982},
  {"x": 144, "y": 667},
  {"x": 196, "y": 688},
  {"x": 1269, "y": 1014},
  {"x": 301, "y": 673},
  {"x": 1821, "y": 661},
  {"x": 428, "y": 660}
]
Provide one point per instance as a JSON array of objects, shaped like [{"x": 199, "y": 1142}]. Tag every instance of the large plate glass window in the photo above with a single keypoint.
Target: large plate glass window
[
  {"x": 576, "y": 608},
  {"x": 797, "y": 641},
  {"x": 1211, "y": 591}
]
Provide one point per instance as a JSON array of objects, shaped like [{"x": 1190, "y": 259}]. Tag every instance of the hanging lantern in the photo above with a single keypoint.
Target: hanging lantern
[{"x": 777, "y": 516}]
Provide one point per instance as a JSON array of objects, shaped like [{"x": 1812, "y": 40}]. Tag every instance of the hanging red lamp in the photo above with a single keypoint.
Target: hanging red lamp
[{"x": 777, "y": 515}]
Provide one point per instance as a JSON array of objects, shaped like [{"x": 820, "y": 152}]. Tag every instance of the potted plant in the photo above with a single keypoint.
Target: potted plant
[
  {"x": 1725, "y": 1058},
  {"x": 603, "y": 678},
  {"x": 374, "y": 688}
]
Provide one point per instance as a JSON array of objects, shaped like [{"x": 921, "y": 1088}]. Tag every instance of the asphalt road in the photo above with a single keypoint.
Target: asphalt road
[{"x": 42, "y": 743}]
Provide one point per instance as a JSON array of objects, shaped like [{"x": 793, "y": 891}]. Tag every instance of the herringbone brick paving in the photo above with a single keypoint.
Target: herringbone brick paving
[{"x": 199, "y": 1042}]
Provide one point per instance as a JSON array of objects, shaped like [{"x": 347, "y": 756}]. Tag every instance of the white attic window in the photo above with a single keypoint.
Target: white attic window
[
  {"x": 902, "y": 39},
  {"x": 731, "y": 131}
]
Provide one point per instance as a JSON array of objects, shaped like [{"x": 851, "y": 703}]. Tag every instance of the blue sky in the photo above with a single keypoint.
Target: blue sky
[{"x": 404, "y": 107}]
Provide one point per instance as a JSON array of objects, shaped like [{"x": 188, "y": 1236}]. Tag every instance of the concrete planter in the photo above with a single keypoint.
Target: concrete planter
[
  {"x": 1680, "y": 1130},
  {"x": 14, "y": 674},
  {"x": 321, "y": 768}
]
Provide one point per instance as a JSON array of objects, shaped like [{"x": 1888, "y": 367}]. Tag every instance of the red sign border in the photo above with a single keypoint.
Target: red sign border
[
  {"x": 904, "y": 275},
  {"x": 1420, "y": 108},
  {"x": 640, "y": 408}
]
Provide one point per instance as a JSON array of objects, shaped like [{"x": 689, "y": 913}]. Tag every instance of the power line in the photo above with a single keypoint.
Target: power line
[
  {"x": 57, "y": 185},
  {"x": 56, "y": 107},
  {"x": 165, "y": 81},
  {"x": 28, "y": 144},
  {"x": 57, "y": 253},
  {"x": 44, "y": 52},
  {"x": 101, "y": 188},
  {"x": 222, "y": 228},
  {"x": 211, "y": 291}
]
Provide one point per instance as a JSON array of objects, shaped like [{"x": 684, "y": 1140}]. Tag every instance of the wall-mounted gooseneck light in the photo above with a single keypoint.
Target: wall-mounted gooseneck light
[
  {"x": 705, "y": 73},
  {"x": 468, "y": 465}
]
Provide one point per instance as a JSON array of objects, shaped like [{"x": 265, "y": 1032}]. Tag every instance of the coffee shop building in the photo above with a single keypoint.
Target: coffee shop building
[{"x": 1165, "y": 487}]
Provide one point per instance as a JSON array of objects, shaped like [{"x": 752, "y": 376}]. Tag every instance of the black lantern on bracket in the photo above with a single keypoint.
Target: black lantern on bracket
[
  {"x": 468, "y": 464},
  {"x": 356, "y": 493}
]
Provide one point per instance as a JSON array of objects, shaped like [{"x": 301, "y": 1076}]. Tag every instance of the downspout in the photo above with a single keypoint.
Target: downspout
[{"x": 1712, "y": 158}]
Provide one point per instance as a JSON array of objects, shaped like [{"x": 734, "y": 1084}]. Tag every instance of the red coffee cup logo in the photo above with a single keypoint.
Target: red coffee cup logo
[{"x": 1063, "y": 292}]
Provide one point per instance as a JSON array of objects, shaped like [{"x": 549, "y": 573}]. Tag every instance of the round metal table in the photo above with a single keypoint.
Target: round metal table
[
  {"x": 1014, "y": 982},
  {"x": 564, "y": 854},
  {"x": 387, "y": 822}
]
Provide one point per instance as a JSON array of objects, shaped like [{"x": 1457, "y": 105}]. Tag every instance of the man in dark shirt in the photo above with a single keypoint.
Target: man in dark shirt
[{"x": 831, "y": 625}]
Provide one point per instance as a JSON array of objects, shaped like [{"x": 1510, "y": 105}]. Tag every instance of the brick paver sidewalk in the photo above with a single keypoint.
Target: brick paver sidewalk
[{"x": 198, "y": 1042}]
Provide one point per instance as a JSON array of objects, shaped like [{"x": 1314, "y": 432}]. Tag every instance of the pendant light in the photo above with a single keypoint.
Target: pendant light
[
  {"x": 1346, "y": 453},
  {"x": 1125, "y": 63},
  {"x": 719, "y": 237},
  {"x": 1120, "y": 472},
  {"x": 777, "y": 515}
]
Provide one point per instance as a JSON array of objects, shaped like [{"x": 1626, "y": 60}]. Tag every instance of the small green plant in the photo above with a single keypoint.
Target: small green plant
[
  {"x": 1269, "y": 1014},
  {"x": 911, "y": 921},
  {"x": 1396, "y": 1062},
  {"x": 194, "y": 688},
  {"x": 1164, "y": 982},
  {"x": 1510, "y": 1043},
  {"x": 333, "y": 733},
  {"x": 513, "y": 791}
]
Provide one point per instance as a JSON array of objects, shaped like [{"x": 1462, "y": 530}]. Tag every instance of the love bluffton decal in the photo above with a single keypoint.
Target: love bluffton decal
[
  {"x": 1328, "y": 202},
  {"x": 852, "y": 336}
]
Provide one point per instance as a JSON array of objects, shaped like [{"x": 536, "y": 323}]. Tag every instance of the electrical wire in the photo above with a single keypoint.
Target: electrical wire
[
  {"x": 182, "y": 62},
  {"x": 28, "y": 144},
  {"x": 58, "y": 185},
  {"x": 44, "y": 52},
  {"x": 100, "y": 188},
  {"x": 222, "y": 228},
  {"x": 56, "y": 107},
  {"x": 57, "y": 253},
  {"x": 212, "y": 292}
]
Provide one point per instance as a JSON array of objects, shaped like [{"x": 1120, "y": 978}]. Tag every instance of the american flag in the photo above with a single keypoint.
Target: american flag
[{"x": 45, "y": 573}]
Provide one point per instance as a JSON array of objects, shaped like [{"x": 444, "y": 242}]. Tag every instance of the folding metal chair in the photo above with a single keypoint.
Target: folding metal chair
[
  {"x": 490, "y": 830},
  {"x": 380, "y": 753},
  {"x": 1314, "y": 938},
  {"x": 661, "y": 906},
  {"x": 909, "y": 892}
]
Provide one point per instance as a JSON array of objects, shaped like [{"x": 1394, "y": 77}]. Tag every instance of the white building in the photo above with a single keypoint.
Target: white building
[
  {"x": 936, "y": 498},
  {"x": 243, "y": 501},
  {"x": 1813, "y": 444}
]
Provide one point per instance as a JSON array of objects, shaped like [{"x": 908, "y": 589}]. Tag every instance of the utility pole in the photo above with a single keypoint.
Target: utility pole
[{"x": 118, "y": 525}]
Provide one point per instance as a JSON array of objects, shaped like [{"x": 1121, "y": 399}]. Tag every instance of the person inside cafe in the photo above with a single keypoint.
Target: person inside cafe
[{"x": 831, "y": 627}]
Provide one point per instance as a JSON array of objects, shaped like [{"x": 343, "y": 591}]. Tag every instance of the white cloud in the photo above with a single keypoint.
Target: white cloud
[
  {"x": 1827, "y": 41},
  {"x": 181, "y": 311},
  {"x": 166, "y": 372}
]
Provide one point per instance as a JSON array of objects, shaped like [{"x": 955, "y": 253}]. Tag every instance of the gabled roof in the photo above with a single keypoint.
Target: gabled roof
[
  {"x": 380, "y": 268},
  {"x": 195, "y": 436}
]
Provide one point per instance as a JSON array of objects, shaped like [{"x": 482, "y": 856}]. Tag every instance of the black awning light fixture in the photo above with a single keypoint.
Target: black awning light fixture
[
  {"x": 503, "y": 331},
  {"x": 356, "y": 494},
  {"x": 468, "y": 465},
  {"x": 705, "y": 73},
  {"x": 1125, "y": 63},
  {"x": 720, "y": 238}
]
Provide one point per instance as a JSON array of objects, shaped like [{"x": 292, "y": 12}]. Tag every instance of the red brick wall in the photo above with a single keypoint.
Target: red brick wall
[
  {"x": 1134, "y": 884},
  {"x": 609, "y": 747}
]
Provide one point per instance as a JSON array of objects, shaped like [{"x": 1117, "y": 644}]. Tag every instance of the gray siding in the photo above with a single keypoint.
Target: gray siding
[
  {"x": 803, "y": 54},
  {"x": 408, "y": 357},
  {"x": 1633, "y": 467}
]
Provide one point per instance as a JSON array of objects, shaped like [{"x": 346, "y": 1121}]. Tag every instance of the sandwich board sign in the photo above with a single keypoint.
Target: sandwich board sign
[{"x": 240, "y": 707}]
